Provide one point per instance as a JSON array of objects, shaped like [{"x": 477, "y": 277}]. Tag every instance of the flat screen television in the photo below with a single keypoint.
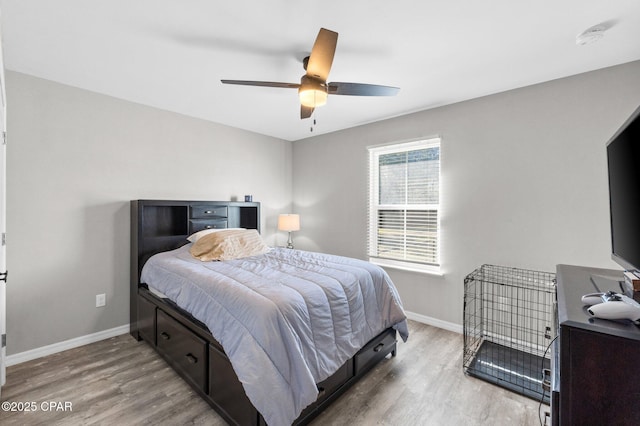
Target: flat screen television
[{"x": 623, "y": 159}]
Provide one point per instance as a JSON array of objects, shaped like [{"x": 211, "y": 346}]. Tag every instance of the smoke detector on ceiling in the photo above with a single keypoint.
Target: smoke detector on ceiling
[{"x": 590, "y": 35}]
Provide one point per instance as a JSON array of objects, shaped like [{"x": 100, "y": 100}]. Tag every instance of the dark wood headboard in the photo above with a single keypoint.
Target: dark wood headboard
[{"x": 163, "y": 225}]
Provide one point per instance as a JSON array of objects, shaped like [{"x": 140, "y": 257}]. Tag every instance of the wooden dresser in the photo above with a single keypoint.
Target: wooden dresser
[{"x": 595, "y": 362}]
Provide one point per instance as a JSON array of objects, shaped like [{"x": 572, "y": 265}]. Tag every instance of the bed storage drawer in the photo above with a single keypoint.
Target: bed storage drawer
[
  {"x": 340, "y": 377},
  {"x": 205, "y": 211},
  {"x": 200, "y": 224},
  {"x": 375, "y": 350},
  {"x": 327, "y": 389},
  {"x": 185, "y": 351}
]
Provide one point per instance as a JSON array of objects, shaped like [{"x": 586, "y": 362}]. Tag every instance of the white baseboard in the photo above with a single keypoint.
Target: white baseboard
[
  {"x": 63, "y": 346},
  {"x": 456, "y": 328}
]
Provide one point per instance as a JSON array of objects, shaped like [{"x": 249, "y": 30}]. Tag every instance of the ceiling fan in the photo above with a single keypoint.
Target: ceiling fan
[{"x": 313, "y": 88}]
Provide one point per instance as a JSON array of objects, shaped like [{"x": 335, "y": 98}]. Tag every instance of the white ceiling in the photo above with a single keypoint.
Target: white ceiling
[{"x": 172, "y": 54}]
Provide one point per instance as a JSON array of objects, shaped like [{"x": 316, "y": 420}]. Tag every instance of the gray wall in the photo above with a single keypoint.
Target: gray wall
[
  {"x": 523, "y": 178},
  {"x": 74, "y": 160},
  {"x": 524, "y": 184}
]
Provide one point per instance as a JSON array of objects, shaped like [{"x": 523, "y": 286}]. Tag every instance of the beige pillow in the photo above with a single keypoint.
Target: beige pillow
[
  {"x": 228, "y": 245},
  {"x": 196, "y": 236}
]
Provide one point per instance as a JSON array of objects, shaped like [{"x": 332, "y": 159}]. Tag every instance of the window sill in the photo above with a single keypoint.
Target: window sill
[{"x": 406, "y": 266}]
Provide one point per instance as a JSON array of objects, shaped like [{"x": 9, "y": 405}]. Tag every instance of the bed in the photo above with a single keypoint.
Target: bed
[{"x": 293, "y": 329}]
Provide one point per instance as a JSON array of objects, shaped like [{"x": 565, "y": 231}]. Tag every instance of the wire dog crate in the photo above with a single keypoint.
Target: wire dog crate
[{"x": 508, "y": 327}]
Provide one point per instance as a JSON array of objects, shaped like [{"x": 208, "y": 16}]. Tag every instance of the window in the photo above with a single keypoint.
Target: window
[{"x": 404, "y": 204}]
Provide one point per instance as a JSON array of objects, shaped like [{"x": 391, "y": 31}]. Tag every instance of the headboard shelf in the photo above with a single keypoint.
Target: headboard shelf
[{"x": 165, "y": 220}]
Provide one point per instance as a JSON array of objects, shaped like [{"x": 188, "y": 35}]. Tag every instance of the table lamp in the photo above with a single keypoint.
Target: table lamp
[{"x": 289, "y": 222}]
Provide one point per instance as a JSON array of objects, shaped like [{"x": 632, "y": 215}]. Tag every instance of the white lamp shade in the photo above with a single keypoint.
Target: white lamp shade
[
  {"x": 313, "y": 98},
  {"x": 289, "y": 222}
]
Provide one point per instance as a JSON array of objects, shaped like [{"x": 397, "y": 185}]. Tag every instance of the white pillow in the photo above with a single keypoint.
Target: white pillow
[{"x": 196, "y": 236}]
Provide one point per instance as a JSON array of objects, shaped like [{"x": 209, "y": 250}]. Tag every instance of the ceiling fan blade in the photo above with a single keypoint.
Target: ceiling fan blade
[
  {"x": 322, "y": 54},
  {"x": 305, "y": 112},
  {"x": 361, "y": 89},
  {"x": 262, "y": 83}
]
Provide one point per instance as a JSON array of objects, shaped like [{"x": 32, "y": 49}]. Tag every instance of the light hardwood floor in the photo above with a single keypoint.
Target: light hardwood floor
[{"x": 124, "y": 382}]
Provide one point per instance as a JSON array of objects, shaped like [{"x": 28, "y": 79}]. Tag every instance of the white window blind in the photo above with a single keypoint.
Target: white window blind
[{"x": 404, "y": 203}]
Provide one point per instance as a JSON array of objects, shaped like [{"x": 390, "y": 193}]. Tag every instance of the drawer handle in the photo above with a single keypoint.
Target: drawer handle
[
  {"x": 379, "y": 347},
  {"x": 165, "y": 335},
  {"x": 192, "y": 359},
  {"x": 208, "y": 211},
  {"x": 209, "y": 227}
]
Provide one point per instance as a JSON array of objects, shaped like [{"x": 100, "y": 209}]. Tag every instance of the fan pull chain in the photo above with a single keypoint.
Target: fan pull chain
[
  {"x": 314, "y": 123},
  {"x": 313, "y": 113}
]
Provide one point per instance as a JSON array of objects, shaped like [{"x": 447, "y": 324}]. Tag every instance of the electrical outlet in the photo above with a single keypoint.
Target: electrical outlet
[{"x": 101, "y": 300}]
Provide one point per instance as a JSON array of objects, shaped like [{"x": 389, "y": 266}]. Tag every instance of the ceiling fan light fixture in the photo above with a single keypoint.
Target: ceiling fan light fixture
[
  {"x": 313, "y": 98},
  {"x": 312, "y": 92}
]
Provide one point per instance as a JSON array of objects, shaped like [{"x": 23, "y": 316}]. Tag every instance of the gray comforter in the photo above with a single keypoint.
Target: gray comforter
[{"x": 287, "y": 319}]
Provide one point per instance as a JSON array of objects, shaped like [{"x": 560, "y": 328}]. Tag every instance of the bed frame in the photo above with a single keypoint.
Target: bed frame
[{"x": 186, "y": 343}]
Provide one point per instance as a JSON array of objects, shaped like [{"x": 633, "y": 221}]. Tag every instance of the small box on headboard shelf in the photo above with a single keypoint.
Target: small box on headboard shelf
[{"x": 632, "y": 281}]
